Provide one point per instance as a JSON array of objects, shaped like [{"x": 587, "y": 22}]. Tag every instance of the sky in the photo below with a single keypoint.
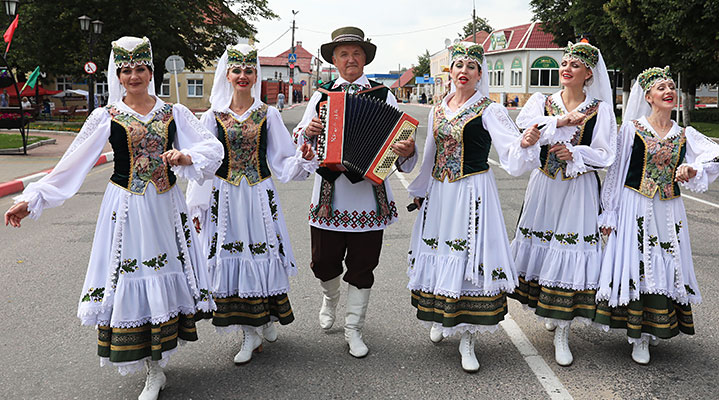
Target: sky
[{"x": 401, "y": 29}]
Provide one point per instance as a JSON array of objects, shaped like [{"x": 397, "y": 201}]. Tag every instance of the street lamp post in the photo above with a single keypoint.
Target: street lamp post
[{"x": 96, "y": 30}]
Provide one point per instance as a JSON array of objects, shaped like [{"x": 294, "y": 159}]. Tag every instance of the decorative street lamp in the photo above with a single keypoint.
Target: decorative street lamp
[
  {"x": 11, "y": 7},
  {"x": 85, "y": 23},
  {"x": 11, "y": 11}
]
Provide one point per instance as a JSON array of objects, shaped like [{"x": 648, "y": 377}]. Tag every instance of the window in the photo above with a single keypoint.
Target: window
[
  {"x": 499, "y": 73},
  {"x": 194, "y": 88},
  {"x": 544, "y": 72},
  {"x": 63, "y": 83},
  {"x": 516, "y": 73},
  {"x": 275, "y": 74},
  {"x": 165, "y": 88}
]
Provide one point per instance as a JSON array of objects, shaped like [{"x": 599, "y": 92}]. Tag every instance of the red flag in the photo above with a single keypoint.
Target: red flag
[{"x": 9, "y": 32}]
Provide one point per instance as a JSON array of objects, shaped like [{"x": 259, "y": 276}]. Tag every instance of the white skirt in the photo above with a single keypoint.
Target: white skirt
[
  {"x": 248, "y": 246},
  {"x": 649, "y": 253},
  {"x": 557, "y": 238},
  {"x": 144, "y": 262},
  {"x": 459, "y": 242}
]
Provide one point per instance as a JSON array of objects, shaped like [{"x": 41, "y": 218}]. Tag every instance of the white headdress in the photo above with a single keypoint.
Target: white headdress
[
  {"x": 637, "y": 105},
  {"x": 599, "y": 86},
  {"x": 127, "y": 51},
  {"x": 468, "y": 51},
  {"x": 242, "y": 56}
]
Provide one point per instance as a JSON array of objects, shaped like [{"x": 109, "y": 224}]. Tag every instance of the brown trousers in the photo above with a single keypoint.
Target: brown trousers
[{"x": 359, "y": 250}]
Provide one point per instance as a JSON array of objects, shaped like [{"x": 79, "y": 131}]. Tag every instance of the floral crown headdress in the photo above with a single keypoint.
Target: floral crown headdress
[
  {"x": 236, "y": 58},
  {"x": 141, "y": 54},
  {"x": 474, "y": 53},
  {"x": 584, "y": 52},
  {"x": 649, "y": 77}
]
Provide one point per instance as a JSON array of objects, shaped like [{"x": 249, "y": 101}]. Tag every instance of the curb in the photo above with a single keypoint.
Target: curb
[
  {"x": 30, "y": 146},
  {"x": 17, "y": 185}
]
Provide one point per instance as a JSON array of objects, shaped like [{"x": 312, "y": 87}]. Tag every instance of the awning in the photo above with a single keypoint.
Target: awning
[{"x": 29, "y": 92}]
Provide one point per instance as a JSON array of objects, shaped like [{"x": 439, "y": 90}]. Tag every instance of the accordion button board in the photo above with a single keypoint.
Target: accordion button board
[{"x": 358, "y": 132}]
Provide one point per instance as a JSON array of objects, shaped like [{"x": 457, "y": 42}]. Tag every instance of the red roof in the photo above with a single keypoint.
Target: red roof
[
  {"x": 407, "y": 76},
  {"x": 481, "y": 35},
  {"x": 527, "y": 36},
  {"x": 304, "y": 59}
]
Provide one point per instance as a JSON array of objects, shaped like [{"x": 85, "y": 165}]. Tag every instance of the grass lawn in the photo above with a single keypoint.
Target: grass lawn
[
  {"x": 14, "y": 141},
  {"x": 710, "y": 129},
  {"x": 56, "y": 126}
]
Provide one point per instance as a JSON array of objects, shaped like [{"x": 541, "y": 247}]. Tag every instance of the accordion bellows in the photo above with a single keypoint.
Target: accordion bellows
[{"x": 358, "y": 132}]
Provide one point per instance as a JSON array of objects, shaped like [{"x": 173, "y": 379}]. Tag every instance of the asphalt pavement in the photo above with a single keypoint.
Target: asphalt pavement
[{"x": 47, "y": 354}]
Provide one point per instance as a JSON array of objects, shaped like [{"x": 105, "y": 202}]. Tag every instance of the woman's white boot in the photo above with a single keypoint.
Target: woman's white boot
[
  {"x": 562, "y": 353},
  {"x": 251, "y": 343},
  {"x": 466, "y": 349},
  {"x": 154, "y": 381}
]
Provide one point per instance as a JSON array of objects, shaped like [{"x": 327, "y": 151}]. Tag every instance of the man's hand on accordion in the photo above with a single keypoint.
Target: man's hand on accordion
[
  {"x": 404, "y": 148},
  {"x": 307, "y": 152},
  {"x": 314, "y": 128}
]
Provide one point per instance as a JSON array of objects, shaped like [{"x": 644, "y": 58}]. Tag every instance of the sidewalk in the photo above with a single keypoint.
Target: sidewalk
[{"x": 17, "y": 170}]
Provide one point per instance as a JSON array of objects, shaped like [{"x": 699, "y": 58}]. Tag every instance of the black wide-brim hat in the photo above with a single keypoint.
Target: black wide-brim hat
[{"x": 348, "y": 35}]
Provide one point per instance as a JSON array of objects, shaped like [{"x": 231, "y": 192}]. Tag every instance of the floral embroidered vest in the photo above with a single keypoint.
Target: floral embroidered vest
[
  {"x": 245, "y": 144},
  {"x": 462, "y": 142},
  {"x": 138, "y": 145},
  {"x": 551, "y": 164},
  {"x": 653, "y": 163}
]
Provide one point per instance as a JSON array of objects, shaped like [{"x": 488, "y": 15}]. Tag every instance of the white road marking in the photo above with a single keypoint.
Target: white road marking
[
  {"x": 551, "y": 383},
  {"x": 686, "y": 196},
  {"x": 546, "y": 377}
]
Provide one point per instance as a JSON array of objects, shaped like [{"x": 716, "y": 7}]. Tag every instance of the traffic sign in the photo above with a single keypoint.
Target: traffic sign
[
  {"x": 303, "y": 82},
  {"x": 90, "y": 67},
  {"x": 291, "y": 80},
  {"x": 292, "y": 58},
  {"x": 292, "y": 66},
  {"x": 174, "y": 64}
]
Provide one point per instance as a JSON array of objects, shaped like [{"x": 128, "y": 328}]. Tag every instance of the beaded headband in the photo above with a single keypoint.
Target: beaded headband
[
  {"x": 139, "y": 55},
  {"x": 650, "y": 77},
  {"x": 474, "y": 53},
  {"x": 584, "y": 52},
  {"x": 235, "y": 58}
]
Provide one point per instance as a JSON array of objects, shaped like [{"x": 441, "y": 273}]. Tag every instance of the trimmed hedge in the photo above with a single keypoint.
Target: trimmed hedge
[{"x": 705, "y": 115}]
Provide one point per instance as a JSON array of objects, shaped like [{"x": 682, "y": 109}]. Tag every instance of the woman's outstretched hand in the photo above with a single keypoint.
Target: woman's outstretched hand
[{"x": 16, "y": 213}]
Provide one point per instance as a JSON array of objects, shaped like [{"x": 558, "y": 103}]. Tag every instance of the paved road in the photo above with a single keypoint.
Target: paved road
[{"x": 47, "y": 354}]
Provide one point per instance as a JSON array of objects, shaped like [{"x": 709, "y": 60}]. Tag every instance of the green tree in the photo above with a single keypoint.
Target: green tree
[
  {"x": 49, "y": 33},
  {"x": 569, "y": 20},
  {"x": 482, "y": 25},
  {"x": 679, "y": 33},
  {"x": 422, "y": 66}
]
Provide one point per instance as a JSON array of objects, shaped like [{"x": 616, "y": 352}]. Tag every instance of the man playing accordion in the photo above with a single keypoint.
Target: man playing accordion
[{"x": 348, "y": 214}]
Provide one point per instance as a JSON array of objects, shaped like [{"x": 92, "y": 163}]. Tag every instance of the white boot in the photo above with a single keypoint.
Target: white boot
[
  {"x": 269, "y": 332},
  {"x": 550, "y": 326},
  {"x": 466, "y": 349},
  {"x": 357, "y": 301},
  {"x": 436, "y": 334},
  {"x": 640, "y": 351},
  {"x": 251, "y": 343},
  {"x": 562, "y": 354},
  {"x": 330, "y": 298},
  {"x": 154, "y": 382}
]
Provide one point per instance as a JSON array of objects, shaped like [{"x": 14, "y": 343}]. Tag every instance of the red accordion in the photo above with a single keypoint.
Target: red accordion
[{"x": 358, "y": 132}]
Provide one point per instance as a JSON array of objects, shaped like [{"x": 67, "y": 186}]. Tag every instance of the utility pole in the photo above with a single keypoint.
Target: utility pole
[
  {"x": 474, "y": 23},
  {"x": 291, "y": 90}
]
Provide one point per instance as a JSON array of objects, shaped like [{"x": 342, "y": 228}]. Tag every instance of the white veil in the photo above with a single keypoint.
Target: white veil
[
  {"x": 221, "y": 96},
  {"x": 601, "y": 87},
  {"x": 637, "y": 105},
  {"x": 114, "y": 88}
]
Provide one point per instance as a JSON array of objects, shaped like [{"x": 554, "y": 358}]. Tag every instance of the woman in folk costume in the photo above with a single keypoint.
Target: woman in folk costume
[
  {"x": 249, "y": 253},
  {"x": 460, "y": 264},
  {"x": 647, "y": 284},
  {"x": 556, "y": 246},
  {"x": 146, "y": 276}
]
